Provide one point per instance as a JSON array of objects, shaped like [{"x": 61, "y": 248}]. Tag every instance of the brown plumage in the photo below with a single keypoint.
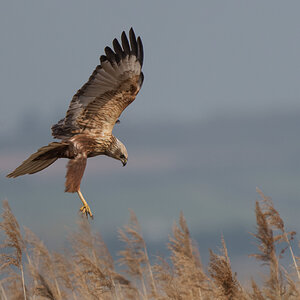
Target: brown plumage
[{"x": 86, "y": 131}]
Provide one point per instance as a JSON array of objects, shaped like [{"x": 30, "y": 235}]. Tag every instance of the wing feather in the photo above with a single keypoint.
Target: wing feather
[
  {"x": 118, "y": 49},
  {"x": 133, "y": 42},
  {"x": 110, "y": 55},
  {"x": 125, "y": 43},
  {"x": 140, "y": 52},
  {"x": 112, "y": 86}
]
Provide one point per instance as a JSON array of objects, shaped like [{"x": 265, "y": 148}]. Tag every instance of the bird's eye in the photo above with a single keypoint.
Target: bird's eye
[{"x": 122, "y": 156}]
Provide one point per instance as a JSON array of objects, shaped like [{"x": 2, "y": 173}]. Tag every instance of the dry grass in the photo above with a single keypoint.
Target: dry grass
[{"x": 87, "y": 270}]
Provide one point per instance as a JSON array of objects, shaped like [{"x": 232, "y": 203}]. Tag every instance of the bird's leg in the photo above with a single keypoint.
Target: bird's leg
[{"x": 85, "y": 209}]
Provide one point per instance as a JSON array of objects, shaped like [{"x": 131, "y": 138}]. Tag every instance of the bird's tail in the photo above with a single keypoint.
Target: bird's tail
[{"x": 41, "y": 159}]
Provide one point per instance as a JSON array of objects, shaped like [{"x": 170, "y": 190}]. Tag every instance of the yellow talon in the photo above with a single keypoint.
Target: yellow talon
[{"x": 85, "y": 209}]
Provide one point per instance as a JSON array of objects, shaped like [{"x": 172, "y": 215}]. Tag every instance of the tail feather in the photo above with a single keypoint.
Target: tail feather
[{"x": 40, "y": 160}]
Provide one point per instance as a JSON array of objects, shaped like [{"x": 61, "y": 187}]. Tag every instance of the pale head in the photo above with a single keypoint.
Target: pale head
[{"x": 118, "y": 151}]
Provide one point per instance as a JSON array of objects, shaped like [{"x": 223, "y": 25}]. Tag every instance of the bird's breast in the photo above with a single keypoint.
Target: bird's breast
[{"x": 90, "y": 145}]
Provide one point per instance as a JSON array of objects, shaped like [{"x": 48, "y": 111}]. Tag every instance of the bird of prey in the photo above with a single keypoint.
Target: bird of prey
[{"x": 86, "y": 130}]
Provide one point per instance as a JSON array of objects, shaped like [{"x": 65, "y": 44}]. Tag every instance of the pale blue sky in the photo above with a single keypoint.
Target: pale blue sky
[{"x": 218, "y": 114}]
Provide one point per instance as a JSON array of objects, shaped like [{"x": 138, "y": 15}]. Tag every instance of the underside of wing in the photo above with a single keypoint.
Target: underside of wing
[{"x": 113, "y": 85}]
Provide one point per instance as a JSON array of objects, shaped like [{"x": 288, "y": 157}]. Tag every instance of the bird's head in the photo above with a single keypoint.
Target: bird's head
[{"x": 118, "y": 151}]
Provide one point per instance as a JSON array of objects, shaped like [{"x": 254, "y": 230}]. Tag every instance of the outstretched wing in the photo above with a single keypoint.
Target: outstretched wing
[{"x": 111, "y": 88}]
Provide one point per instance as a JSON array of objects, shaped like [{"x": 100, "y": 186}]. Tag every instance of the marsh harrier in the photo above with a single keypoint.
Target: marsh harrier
[{"x": 86, "y": 130}]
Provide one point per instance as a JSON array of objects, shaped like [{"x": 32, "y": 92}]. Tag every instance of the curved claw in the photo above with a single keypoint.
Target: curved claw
[{"x": 85, "y": 209}]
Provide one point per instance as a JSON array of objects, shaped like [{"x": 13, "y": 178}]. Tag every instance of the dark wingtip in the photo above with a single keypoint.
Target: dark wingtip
[
  {"x": 131, "y": 46},
  {"x": 140, "y": 52},
  {"x": 118, "y": 49},
  {"x": 125, "y": 43},
  {"x": 133, "y": 43},
  {"x": 103, "y": 58},
  {"x": 111, "y": 56}
]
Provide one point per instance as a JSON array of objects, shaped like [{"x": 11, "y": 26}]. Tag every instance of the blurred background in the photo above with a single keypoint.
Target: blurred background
[{"x": 218, "y": 116}]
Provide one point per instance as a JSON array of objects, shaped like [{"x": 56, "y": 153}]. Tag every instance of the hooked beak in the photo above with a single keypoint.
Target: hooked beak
[{"x": 124, "y": 162}]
